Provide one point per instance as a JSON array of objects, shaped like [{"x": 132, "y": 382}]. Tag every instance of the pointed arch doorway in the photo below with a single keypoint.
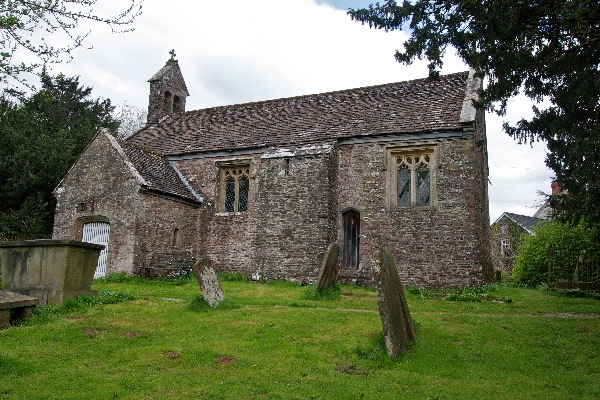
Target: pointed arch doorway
[{"x": 351, "y": 239}]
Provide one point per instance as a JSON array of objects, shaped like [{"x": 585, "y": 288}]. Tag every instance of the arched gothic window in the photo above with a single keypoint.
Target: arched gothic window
[
  {"x": 234, "y": 188},
  {"x": 411, "y": 177}
]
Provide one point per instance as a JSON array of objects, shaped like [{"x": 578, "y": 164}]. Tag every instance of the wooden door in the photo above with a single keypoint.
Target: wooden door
[{"x": 351, "y": 240}]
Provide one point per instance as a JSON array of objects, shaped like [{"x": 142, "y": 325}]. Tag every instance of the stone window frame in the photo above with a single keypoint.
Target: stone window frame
[
  {"x": 505, "y": 248},
  {"x": 393, "y": 159},
  {"x": 224, "y": 170}
]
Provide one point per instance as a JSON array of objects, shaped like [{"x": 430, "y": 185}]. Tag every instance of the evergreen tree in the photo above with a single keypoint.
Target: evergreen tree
[
  {"x": 40, "y": 138},
  {"x": 548, "y": 49}
]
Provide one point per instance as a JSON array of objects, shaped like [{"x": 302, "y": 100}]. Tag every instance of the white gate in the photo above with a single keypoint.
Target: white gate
[{"x": 98, "y": 233}]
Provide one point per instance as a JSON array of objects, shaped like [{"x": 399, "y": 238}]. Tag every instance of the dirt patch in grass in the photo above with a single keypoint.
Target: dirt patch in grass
[
  {"x": 171, "y": 355},
  {"x": 584, "y": 330},
  {"x": 90, "y": 331},
  {"x": 351, "y": 369},
  {"x": 225, "y": 360},
  {"x": 572, "y": 316}
]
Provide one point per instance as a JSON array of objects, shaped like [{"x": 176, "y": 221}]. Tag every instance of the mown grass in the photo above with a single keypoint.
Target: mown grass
[{"x": 158, "y": 340}]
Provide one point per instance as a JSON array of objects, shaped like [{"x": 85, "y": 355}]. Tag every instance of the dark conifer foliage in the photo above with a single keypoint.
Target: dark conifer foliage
[
  {"x": 40, "y": 138},
  {"x": 548, "y": 49}
]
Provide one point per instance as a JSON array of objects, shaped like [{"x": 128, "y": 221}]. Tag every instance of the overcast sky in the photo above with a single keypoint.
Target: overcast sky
[{"x": 238, "y": 51}]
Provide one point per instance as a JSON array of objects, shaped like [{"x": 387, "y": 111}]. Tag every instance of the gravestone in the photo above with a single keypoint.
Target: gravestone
[
  {"x": 14, "y": 306},
  {"x": 208, "y": 281},
  {"x": 51, "y": 270},
  {"x": 329, "y": 267},
  {"x": 398, "y": 328}
]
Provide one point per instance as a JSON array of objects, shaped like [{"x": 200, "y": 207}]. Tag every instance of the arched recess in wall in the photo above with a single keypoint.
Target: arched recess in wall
[
  {"x": 168, "y": 103},
  {"x": 175, "y": 237},
  {"x": 350, "y": 239},
  {"x": 176, "y": 104},
  {"x": 95, "y": 229}
]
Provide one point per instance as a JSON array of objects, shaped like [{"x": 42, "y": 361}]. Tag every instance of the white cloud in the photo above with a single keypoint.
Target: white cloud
[{"x": 238, "y": 51}]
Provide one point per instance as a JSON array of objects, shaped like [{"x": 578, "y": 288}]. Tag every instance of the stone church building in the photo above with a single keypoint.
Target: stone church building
[{"x": 263, "y": 188}]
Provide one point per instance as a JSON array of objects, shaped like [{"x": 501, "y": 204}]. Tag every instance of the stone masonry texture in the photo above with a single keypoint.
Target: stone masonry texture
[{"x": 311, "y": 159}]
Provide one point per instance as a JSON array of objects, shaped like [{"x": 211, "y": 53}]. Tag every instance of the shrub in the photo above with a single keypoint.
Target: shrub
[{"x": 531, "y": 268}]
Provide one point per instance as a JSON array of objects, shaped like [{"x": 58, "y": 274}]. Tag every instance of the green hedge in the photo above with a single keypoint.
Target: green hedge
[{"x": 531, "y": 268}]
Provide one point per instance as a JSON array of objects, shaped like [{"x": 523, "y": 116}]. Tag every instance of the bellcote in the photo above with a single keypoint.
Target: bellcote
[{"x": 167, "y": 91}]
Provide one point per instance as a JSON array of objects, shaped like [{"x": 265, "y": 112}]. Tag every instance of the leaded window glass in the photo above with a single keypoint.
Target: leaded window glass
[
  {"x": 403, "y": 186},
  {"x": 229, "y": 194},
  {"x": 235, "y": 190},
  {"x": 422, "y": 185},
  {"x": 244, "y": 185},
  {"x": 413, "y": 180}
]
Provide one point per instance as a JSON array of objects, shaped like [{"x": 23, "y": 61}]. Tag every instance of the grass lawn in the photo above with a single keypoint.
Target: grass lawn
[{"x": 272, "y": 341}]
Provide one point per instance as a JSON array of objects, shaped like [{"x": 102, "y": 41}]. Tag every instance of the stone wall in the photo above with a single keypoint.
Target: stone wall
[
  {"x": 109, "y": 191},
  {"x": 165, "y": 226},
  {"x": 168, "y": 92},
  {"x": 294, "y": 214},
  {"x": 298, "y": 197},
  {"x": 482, "y": 211},
  {"x": 296, "y": 201},
  {"x": 433, "y": 246},
  {"x": 140, "y": 223},
  {"x": 227, "y": 239}
]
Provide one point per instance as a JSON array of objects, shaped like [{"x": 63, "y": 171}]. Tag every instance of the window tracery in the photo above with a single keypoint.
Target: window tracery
[
  {"x": 411, "y": 177},
  {"x": 235, "y": 188}
]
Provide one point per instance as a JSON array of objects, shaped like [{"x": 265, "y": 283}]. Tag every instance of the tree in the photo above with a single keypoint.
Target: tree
[
  {"x": 40, "y": 138},
  {"x": 531, "y": 268},
  {"x": 548, "y": 49},
  {"x": 131, "y": 119},
  {"x": 26, "y": 24}
]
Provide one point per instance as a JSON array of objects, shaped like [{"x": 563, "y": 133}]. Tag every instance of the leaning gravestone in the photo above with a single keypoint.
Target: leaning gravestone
[
  {"x": 398, "y": 326},
  {"x": 209, "y": 283},
  {"x": 329, "y": 267}
]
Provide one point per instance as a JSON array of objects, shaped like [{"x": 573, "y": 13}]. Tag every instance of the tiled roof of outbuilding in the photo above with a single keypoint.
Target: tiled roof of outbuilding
[
  {"x": 417, "y": 106},
  {"x": 524, "y": 221},
  {"x": 157, "y": 172}
]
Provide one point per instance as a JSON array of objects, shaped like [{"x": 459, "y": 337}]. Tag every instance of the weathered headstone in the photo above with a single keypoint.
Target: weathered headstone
[
  {"x": 208, "y": 281},
  {"x": 397, "y": 322},
  {"x": 329, "y": 267}
]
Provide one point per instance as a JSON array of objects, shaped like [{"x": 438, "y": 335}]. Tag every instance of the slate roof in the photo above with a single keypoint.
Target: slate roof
[
  {"x": 411, "y": 107},
  {"x": 159, "y": 175},
  {"x": 524, "y": 221}
]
